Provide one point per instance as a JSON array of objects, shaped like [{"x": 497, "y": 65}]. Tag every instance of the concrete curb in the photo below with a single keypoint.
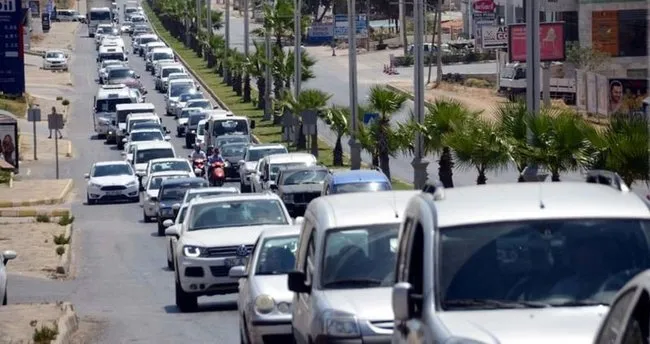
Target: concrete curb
[
  {"x": 38, "y": 53},
  {"x": 64, "y": 262},
  {"x": 196, "y": 76},
  {"x": 34, "y": 212},
  {"x": 32, "y": 202},
  {"x": 67, "y": 324}
]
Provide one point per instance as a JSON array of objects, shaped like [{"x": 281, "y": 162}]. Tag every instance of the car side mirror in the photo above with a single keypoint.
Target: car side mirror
[
  {"x": 253, "y": 124},
  {"x": 237, "y": 272},
  {"x": 137, "y": 76},
  {"x": 402, "y": 301},
  {"x": 141, "y": 188},
  {"x": 125, "y": 140},
  {"x": 241, "y": 162},
  {"x": 273, "y": 187},
  {"x": 98, "y": 59},
  {"x": 198, "y": 87},
  {"x": 87, "y": 175},
  {"x": 167, "y": 138},
  {"x": 123, "y": 153},
  {"x": 153, "y": 199},
  {"x": 172, "y": 231},
  {"x": 296, "y": 281},
  {"x": 7, "y": 256},
  {"x": 176, "y": 206},
  {"x": 298, "y": 220},
  {"x": 168, "y": 223}
]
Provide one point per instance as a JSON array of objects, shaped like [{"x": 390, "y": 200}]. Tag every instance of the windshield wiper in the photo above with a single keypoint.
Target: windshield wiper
[
  {"x": 579, "y": 303},
  {"x": 360, "y": 282},
  {"x": 488, "y": 303}
]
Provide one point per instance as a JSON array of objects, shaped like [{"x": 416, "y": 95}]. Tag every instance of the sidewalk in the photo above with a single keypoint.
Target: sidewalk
[{"x": 25, "y": 193}]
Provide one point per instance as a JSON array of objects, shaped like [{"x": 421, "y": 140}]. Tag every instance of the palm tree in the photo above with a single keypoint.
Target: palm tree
[
  {"x": 386, "y": 102},
  {"x": 283, "y": 69},
  {"x": 443, "y": 117},
  {"x": 256, "y": 67},
  {"x": 560, "y": 142},
  {"x": 235, "y": 63},
  {"x": 513, "y": 119},
  {"x": 279, "y": 20},
  {"x": 337, "y": 118},
  {"x": 309, "y": 100},
  {"x": 480, "y": 145}
]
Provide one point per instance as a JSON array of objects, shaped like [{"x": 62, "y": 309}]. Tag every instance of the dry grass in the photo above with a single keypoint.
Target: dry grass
[
  {"x": 35, "y": 247},
  {"x": 18, "y": 321}
]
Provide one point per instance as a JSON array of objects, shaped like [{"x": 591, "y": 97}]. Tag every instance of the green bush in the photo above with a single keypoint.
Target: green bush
[
  {"x": 43, "y": 218},
  {"x": 66, "y": 219},
  {"x": 45, "y": 335},
  {"x": 5, "y": 177},
  {"x": 61, "y": 239},
  {"x": 472, "y": 82},
  {"x": 60, "y": 250},
  {"x": 65, "y": 102}
]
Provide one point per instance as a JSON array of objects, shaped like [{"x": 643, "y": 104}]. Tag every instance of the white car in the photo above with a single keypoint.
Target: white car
[
  {"x": 55, "y": 60},
  {"x": 150, "y": 191},
  {"x": 175, "y": 89},
  {"x": 111, "y": 180},
  {"x": 248, "y": 165},
  {"x": 217, "y": 234},
  {"x": 199, "y": 137},
  {"x": 140, "y": 40},
  {"x": 141, "y": 135},
  {"x": 148, "y": 150},
  {"x": 103, "y": 30},
  {"x": 5, "y": 257},
  {"x": 173, "y": 76},
  {"x": 269, "y": 166},
  {"x": 189, "y": 196},
  {"x": 203, "y": 104},
  {"x": 167, "y": 165},
  {"x": 264, "y": 302},
  {"x": 182, "y": 118},
  {"x": 102, "y": 73}
]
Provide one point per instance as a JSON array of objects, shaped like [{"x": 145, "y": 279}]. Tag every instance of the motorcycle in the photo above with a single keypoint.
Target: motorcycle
[
  {"x": 199, "y": 167},
  {"x": 217, "y": 175}
]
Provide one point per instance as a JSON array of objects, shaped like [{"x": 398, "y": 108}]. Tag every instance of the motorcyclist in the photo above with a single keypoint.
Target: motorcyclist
[
  {"x": 215, "y": 157},
  {"x": 198, "y": 153}
]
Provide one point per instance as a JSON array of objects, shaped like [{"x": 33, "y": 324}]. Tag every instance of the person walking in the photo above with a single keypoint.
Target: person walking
[{"x": 57, "y": 131}]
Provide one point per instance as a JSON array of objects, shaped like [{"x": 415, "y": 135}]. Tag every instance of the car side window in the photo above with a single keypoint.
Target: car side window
[
  {"x": 614, "y": 325},
  {"x": 249, "y": 264},
  {"x": 415, "y": 267},
  {"x": 402, "y": 250},
  {"x": 310, "y": 258}
]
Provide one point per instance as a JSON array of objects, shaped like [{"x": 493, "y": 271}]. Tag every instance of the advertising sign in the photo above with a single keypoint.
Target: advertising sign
[
  {"x": 592, "y": 95},
  {"x": 341, "y": 26},
  {"x": 35, "y": 8},
  {"x": 494, "y": 37},
  {"x": 8, "y": 140},
  {"x": 12, "y": 60},
  {"x": 551, "y": 42},
  {"x": 602, "y": 94},
  {"x": 604, "y": 31},
  {"x": 484, "y": 12},
  {"x": 319, "y": 30},
  {"x": 626, "y": 95}
]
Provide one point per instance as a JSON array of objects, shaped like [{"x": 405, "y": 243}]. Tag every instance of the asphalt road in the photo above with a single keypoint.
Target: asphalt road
[{"x": 121, "y": 273}]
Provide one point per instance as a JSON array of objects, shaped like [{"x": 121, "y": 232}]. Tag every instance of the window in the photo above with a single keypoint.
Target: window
[
  {"x": 143, "y": 156},
  {"x": 305, "y": 177},
  {"x": 362, "y": 187},
  {"x": 416, "y": 268},
  {"x": 231, "y": 126},
  {"x": 310, "y": 258},
  {"x": 403, "y": 250},
  {"x": 275, "y": 168},
  {"x": 155, "y": 183},
  {"x": 277, "y": 256},
  {"x": 257, "y": 154},
  {"x": 570, "y": 19},
  {"x": 177, "y": 192},
  {"x": 248, "y": 213},
  {"x": 174, "y": 165},
  {"x": 633, "y": 33},
  {"x": 180, "y": 88},
  {"x": 112, "y": 170},
  {"x": 614, "y": 323},
  {"x": 100, "y": 15},
  {"x": 147, "y": 136}
]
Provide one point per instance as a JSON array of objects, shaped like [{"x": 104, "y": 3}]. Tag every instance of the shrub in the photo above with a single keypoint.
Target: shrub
[
  {"x": 5, "y": 177},
  {"x": 59, "y": 98},
  {"x": 43, "y": 218},
  {"x": 472, "y": 82},
  {"x": 45, "y": 335},
  {"x": 60, "y": 250},
  {"x": 65, "y": 102},
  {"x": 66, "y": 219},
  {"x": 61, "y": 239}
]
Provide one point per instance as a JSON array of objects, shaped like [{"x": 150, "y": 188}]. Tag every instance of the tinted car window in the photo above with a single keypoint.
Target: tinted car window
[
  {"x": 361, "y": 187},
  {"x": 143, "y": 156},
  {"x": 237, "y": 214},
  {"x": 277, "y": 256}
]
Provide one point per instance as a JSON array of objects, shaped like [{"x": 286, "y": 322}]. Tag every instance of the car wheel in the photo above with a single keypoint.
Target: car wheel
[
  {"x": 145, "y": 218},
  {"x": 170, "y": 262},
  {"x": 89, "y": 201},
  {"x": 243, "y": 187},
  {"x": 161, "y": 228},
  {"x": 4, "y": 299},
  {"x": 185, "y": 302}
]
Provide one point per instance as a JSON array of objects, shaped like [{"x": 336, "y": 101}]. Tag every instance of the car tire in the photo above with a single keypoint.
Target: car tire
[
  {"x": 185, "y": 302},
  {"x": 145, "y": 218},
  {"x": 243, "y": 337},
  {"x": 4, "y": 299},
  {"x": 243, "y": 187},
  {"x": 161, "y": 228},
  {"x": 90, "y": 201}
]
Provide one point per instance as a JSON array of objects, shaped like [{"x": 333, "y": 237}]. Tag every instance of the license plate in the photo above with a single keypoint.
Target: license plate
[
  {"x": 113, "y": 193},
  {"x": 229, "y": 262}
]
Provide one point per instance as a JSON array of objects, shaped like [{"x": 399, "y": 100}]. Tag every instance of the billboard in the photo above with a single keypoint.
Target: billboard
[
  {"x": 341, "y": 26},
  {"x": 321, "y": 30},
  {"x": 626, "y": 95},
  {"x": 8, "y": 140},
  {"x": 604, "y": 31},
  {"x": 12, "y": 60},
  {"x": 551, "y": 42},
  {"x": 484, "y": 12},
  {"x": 494, "y": 37}
]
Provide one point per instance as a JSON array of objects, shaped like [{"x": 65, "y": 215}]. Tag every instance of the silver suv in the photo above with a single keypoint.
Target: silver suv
[{"x": 517, "y": 263}]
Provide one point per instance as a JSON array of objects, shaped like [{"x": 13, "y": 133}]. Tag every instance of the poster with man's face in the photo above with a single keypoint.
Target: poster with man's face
[
  {"x": 8, "y": 144},
  {"x": 626, "y": 95}
]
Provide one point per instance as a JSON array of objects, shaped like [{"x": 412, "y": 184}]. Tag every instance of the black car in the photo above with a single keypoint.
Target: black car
[
  {"x": 191, "y": 127},
  {"x": 172, "y": 192},
  {"x": 297, "y": 186},
  {"x": 121, "y": 75},
  {"x": 232, "y": 153}
]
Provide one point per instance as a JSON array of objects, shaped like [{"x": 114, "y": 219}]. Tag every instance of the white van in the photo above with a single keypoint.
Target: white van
[
  {"x": 111, "y": 53},
  {"x": 146, "y": 151},
  {"x": 158, "y": 54},
  {"x": 226, "y": 124},
  {"x": 105, "y": 105},
  {"x": 122, "y": 112}
]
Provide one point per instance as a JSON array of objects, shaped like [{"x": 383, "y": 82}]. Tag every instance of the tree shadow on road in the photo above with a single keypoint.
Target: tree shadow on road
[{"x": 216, "y": 306}]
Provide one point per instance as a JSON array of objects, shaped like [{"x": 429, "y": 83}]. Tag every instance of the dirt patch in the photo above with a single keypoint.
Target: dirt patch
[
  {"x": 34, "y": 243},
  {"x": 20, "y": 321},
  {"x": 89, "y": 331},
  {"x": 33, "y": 189},
  {"x": 60, "y": 36},
  {"x": 45, "y": 148}
]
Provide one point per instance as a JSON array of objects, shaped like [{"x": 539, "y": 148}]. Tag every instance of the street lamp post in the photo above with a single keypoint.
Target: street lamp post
[
  {"x": 247, "y": 78},
  {"x": 226, "y": 78},
  {"x": 268, "y": 56},
  {"x": 208, "y": 16},
  {"x": 297, "y": 55},
  {"x": 355, "y": 147},
  {"x": 419, "y": 164}
]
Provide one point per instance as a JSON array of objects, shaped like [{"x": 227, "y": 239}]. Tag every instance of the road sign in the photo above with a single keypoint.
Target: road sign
[
  {"x": 35, "y": 8},
  {"x": 55, "y": 121},
  {"x": 494, "y": 37},
  {"x": 341, "y": 26},
  {"x": 12, "y": 61},
  {"x": 34, "y": 115},
  {"x": 369, "y": 117}
]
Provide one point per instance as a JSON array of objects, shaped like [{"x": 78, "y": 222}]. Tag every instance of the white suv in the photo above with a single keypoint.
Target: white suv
[
  {"x": 517, "y": 263},
  {"x": 217, "y": 234}
]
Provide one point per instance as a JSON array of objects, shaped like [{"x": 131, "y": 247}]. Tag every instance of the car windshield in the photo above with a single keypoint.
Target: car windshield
[
  {"x": 569, "y": 262},
  {"x": 179, "y": 76},
  {"x": 181, "y": 215},
  {"x": 243, "y": 213},
  {"x": 172, "y": 165},
  {"x": 200, "y": 130},
  {"x": 231, "y": 139},
  {"x": 360, "y": 257},
  {"x": 189, "y": 96},
  {"x": 145, "y": 40},
  {"x": 186, "y": 113},
  {"x": 112, "y": 56},
  {"x": 275, "y": 168},
  {"x": 361, "y": 187},
  {"x": 156, "y": 182},
  {"x": 101, "y": 15},
  {"x": 257, "y": 154},
  {"x": 180, "y": 88},
  {"x": 108, "y": 105},
  {"x": 162, "y": 56},
  {"x": 194, "y": 195},
  {"x": 54, "y": 55},
  {"x": 142, "y": 122},
  {"x": 145, "y": 155},
  {"x": 233, "y": 149},
  {"x": 120, "y": 73},
  {"x": 230, "y": 126},
  {"x": 195, "y": 119},
  {"x": 137, "y": 19},
  {"x": 153, "y": 135},
  {"x": 305, "y": 177},
  {"x": 168, "y": 71},
  {"x": 277, "y": 256},
  {"x": 112, "y": 170},
  {"x": 111, "y": 63},
  {"x": 145, "y": 125},
  {"x": 204, "y": 104},
  {"x": 176, "y": 192}
]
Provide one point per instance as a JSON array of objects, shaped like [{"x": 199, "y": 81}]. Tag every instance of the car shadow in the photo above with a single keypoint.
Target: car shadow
[
  {"x": 155, "y": 235},
  {"x": 222, "y": 306}
]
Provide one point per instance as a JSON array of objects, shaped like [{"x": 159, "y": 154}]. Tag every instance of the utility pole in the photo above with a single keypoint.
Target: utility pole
[
  {"x": 227, "y": 41},
  {"x": 355, "y": 147},
  {"x": 533, "y": 65},
  {"x": 209, "y": 17},
  {"x": 402, "y": 25},
  {"x": 198, "y": 16},
  {"x": 297, "y": 55},
  {"x": 419, "y": 164},
  {"x": 268, "y": 56}
]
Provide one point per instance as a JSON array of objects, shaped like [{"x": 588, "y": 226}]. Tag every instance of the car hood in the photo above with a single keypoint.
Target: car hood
[
  {"x": 54, "y": 59},
  {"x": 301, "y": 188},
  {"x": 152, "y": 193},
  {"x": 113, "y": 180},
  {"x": 250, "y": 166},
  {"x": 372, "y": 304},
  {"x": 545, "y": 325},
  {"x": 273, "y": 285},
  {"x": 182, "y": 121},
  {"x": 228, "y": 236},
  {"x": 141, "y": 167},
  {"x": 169, "y": 203}
]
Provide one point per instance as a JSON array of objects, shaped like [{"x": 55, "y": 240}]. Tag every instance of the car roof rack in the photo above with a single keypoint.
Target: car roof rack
[
  {"x": 609, "y": 178},
  {"x": 436, "y": 189}
]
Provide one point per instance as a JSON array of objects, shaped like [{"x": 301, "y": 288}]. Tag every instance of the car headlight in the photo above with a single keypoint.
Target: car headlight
[
  {"x": 110, "y": 132},
  {"x": 94, "y": 185},
  {"x": 131, "y": 184},
  {"x": 339, "y": 324},
  {"x": 193, "y": 132},
  {"x": 287, "y": 198},
  {"x": 192, "y": 251},
  {"x": 226, "y": 164},
  {"x": 264, "y": 304},
  {"x": 284, "y": 307},
  {"x": 173, "y": 103}
]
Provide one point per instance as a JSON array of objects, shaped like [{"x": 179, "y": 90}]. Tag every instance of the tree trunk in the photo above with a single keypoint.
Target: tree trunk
[
  {"x": 277, "y": 87},
  {"x": 555, "y": 176},
  {"x": 337, "y": 153},
  {"x": 301, "y": 139},
  {"x": 445, "y": 168},
  {"x": 433, "y": 37},
  {"x": 220, "y": 68},
  {"x": 314, "y": 145},
  {"x": 247, "y": 88},
  {"x": 384, "y": 157},
  {"x": 374, "y": 158},
  {"x": 481, "y": 179},
  {"x": 521, "y": 178},
  {"x": 261, "y": 91}
]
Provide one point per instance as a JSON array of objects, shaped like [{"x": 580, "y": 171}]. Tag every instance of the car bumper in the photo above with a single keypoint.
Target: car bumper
[
  {"x": 149, "y": 208},
  {"x": 102, "y": 129},
  {"x": 127, "y": 193},
  {"x": 62, "y": 66},
  {"x": 180, "y": 129},
  {"x": 266, "y": 331},
  {"x": 206, "y": 276}
]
